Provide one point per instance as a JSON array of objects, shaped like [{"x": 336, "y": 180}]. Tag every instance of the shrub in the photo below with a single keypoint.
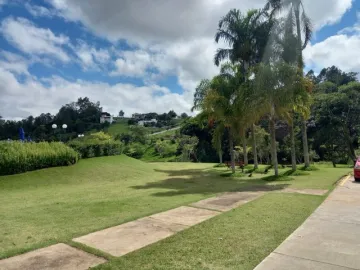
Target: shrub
[
  {"x": 135, "y": 150},
  {"x": 18, "y": 157},
  {"x": 96, "y": 145}
]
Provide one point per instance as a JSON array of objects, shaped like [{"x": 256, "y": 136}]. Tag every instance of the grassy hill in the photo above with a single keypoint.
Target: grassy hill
[
  {"x": 54, "y": 205},
  {"x": 121, "y": 126}
]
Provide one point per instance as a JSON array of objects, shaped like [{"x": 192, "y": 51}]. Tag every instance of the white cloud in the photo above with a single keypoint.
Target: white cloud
[
  {"x": 14, "y": 63},
  {"x": 30, "y": 39},
  {"x": 144, "y": 21},
  {"x": 90, "y": 57},
  {"x": 171, "y": 37},
  {"x": 31, "y": 97},
  {"x": 39, "y": 11},
  {"x": 339, "y": 50},
  {"x": 132, "y": 63}
]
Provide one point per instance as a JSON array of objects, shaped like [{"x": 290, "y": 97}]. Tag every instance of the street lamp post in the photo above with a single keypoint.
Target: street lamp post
[{"x": 54, "y": 127}]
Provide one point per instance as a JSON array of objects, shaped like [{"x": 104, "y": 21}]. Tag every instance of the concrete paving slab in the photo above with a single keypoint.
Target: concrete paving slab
[
  {"x": 283, "y": 262},
  {"x": 338, "y": 211},
  {"x": 56, "y": 257},
  {"x": 325, "y": 241},
  {"x": 185, "y": 215},
  {"x": 130, "y": 236},
  {"x": 319, "y": 192},
  {"x": 227, "y": 201},
  {"x": 330, "y": 236}
]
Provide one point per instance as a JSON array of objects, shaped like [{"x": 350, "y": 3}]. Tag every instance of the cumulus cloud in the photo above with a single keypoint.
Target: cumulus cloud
[
  {"x": 144, "y": 21},
  {"x": 133, "y": 63},
  {"x": 32, "y": 97},
  {"x": 339, "y": 50},
  {"x": 40, "y": 11},
  {"x": 89, "y": 56},
  {"x": 31, "y": 39},
  {"x": 168, "y": 38}
]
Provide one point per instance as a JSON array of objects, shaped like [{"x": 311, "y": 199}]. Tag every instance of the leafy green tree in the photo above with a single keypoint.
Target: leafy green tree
[{"x": 337, "y": 119}]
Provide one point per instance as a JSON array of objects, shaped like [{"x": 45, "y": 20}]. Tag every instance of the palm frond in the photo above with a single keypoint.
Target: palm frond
[
  {"x": 222, "y": 54},
  {"x": 307, "y": 29}
]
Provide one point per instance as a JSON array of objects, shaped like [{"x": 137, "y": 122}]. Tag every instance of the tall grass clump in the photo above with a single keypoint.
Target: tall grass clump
[
  {"x": 96, "y": 145},
  {"x": 18, "y": 157}
]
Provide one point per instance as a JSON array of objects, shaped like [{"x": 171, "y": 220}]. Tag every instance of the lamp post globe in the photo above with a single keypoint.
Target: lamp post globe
[
  {"x": 64, "y": 126},
  {"x": 54, "y": 126}
]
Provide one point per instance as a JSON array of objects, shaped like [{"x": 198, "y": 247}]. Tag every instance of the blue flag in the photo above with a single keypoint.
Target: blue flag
[{"x": 22, "y": 134}]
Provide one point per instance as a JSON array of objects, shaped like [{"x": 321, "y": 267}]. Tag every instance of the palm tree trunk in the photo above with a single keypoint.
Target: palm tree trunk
[
  {"x": 244, "y": 142},
  {"x": 220, "y": 152},
  {"x": 301, "y": 66},
  {"x": 293, "y": 149},
  {"x": 232, "y": 154},
  {"x": 273, "y": 147},
  {"x": 305, "y": 144},
  {"x": 256, "y": 163}
]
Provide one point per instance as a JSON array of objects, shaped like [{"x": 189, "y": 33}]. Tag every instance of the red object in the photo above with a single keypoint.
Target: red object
[{"x": 357, "y": 170}]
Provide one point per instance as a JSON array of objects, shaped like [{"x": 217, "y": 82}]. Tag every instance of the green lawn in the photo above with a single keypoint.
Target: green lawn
[
  {"x": 121, "y": 126},
  {"x": 239, "y": 239},
  {"x": 55, "y": 205}
]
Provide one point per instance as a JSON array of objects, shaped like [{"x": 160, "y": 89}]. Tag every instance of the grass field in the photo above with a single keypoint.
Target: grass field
[
  {"x": 239, "y": 239},
  {"x": 55, "y": 205}
]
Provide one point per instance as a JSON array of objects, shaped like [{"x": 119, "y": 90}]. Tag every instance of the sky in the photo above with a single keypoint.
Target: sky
[{"x": 137, "y": 56}]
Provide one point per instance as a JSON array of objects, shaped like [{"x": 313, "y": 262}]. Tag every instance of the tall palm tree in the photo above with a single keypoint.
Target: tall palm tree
[
  {"x": 247, "y": 37},
  {"x": 295, "y": 9},
  {"x": 218, "y": 105},
  {"x": 273, "y": 83}
]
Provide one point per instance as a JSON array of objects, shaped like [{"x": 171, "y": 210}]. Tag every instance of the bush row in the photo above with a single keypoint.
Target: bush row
[
  {"x": 96, "y": 145},
  {"x": 18, "y": 157},
  {"x": 95, "y": 148}
]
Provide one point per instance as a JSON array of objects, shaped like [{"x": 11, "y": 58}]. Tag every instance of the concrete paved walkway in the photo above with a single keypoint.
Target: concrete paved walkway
[
  {"x": 329, "y": 238},
  {"x": 128, "y": 237}
]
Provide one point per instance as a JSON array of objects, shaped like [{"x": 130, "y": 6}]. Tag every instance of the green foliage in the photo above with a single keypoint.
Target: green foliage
[
  {"x": 17, "y": 157},
  {"x": 96, "y": 145},
  {"x": 135, "y": 150},
  {"x": 165, "y": 148}
]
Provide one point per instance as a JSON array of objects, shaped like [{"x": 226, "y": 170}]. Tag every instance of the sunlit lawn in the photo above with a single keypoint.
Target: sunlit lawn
[{"x": 54, "y": 205}]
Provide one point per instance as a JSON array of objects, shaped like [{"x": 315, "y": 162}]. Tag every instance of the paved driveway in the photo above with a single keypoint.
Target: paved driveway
[{"x": 329, "y": 239}]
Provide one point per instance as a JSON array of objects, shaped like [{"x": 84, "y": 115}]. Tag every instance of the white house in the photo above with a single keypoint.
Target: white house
[
  {"x": 106, "y": 117},
  {"x": 143, "y": 122}
]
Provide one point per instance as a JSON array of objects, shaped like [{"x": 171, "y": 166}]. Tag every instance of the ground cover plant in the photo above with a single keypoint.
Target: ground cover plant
[
  {"x": 54, "y": 205},
  {"x": 18, "y": 157}
]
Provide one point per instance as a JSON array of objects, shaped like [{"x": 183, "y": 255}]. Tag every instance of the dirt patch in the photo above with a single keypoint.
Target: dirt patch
[
  {"x": 228, "y": 201},
  {"x": 56, "y": 257}
]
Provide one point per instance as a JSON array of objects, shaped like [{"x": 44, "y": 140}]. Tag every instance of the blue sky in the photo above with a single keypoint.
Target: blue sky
[{"x": 138, "y": 56}]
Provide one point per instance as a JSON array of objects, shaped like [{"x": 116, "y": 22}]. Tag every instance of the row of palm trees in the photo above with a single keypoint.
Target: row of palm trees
[{"x": 261, "y": 76}]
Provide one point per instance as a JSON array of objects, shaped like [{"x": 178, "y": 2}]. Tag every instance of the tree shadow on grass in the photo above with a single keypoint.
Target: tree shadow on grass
[{"x": 205, "y": 182}]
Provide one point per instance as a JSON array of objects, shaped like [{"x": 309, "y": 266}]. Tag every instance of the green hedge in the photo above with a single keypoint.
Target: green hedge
[
  {"x": 18, "y": 157},
  {"x": 96, "y": 145}
]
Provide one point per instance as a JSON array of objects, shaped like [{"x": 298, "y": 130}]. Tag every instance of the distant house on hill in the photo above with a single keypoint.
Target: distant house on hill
[
  {"x": 106, "y": 117},
  {"x": 143, "y": 122},
  {"x": 137, "y": 115}
]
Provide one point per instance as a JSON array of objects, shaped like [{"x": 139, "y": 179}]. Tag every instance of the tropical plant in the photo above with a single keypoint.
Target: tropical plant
[
  {"x": 298, "y": 22},
  {"x": 247, "y": 37},
  {"x": 275, "y": 93}
]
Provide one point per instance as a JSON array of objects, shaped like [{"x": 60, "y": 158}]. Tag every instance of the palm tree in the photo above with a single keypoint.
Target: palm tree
[
  {"x": 215, "y": 98},
  {"x": 219, "y": 106},
  {"x": 274, "y": 91},
  {"x": 301, "y": 21},
  {"x": 247, "y": 37}
]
